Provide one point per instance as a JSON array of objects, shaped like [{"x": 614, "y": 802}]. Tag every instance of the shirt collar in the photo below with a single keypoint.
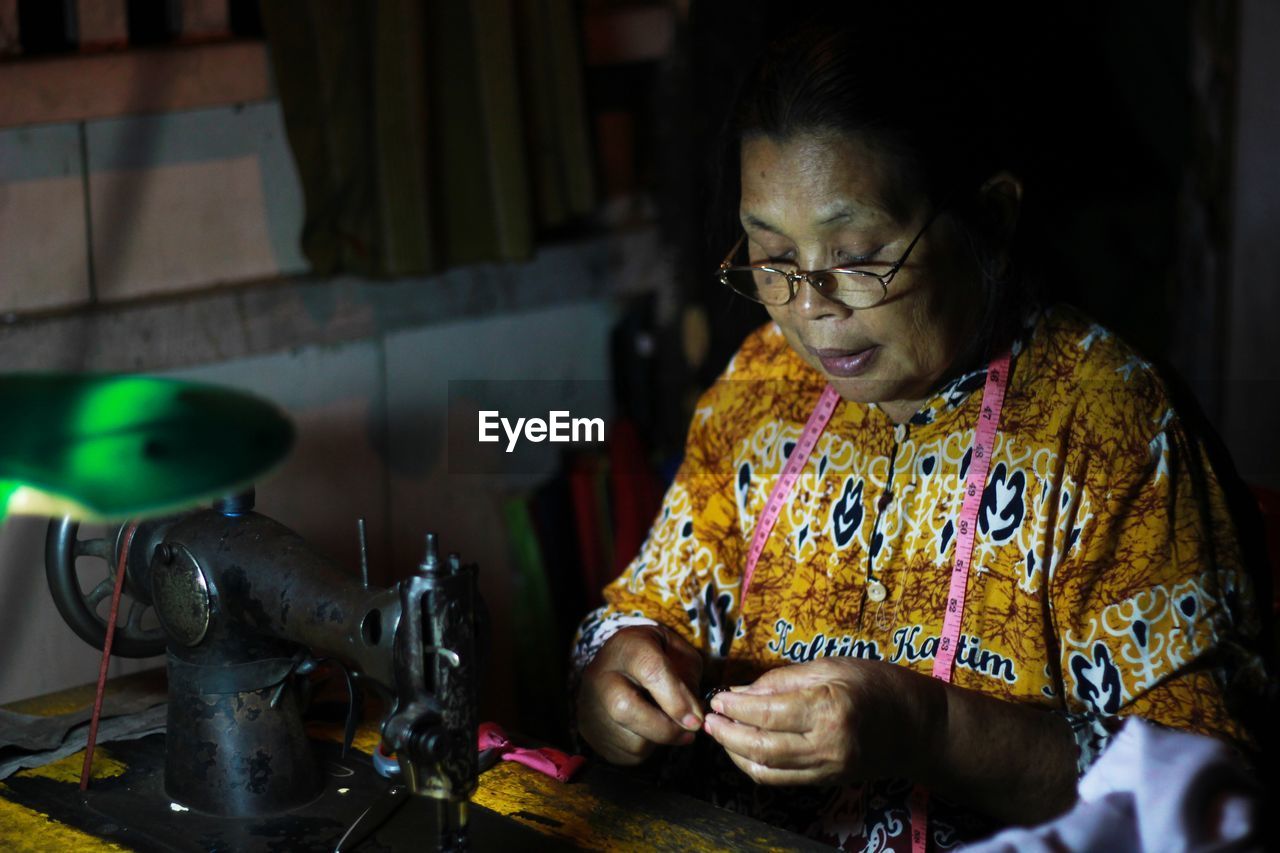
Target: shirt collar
[{"x": 957, "y": 391}]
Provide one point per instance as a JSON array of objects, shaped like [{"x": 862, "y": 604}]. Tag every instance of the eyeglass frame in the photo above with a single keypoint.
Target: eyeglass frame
[{"x": 794, "y": 278}]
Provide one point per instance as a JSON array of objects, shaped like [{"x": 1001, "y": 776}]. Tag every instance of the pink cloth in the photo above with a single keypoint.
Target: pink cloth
[{"x": 552, "y": 762}]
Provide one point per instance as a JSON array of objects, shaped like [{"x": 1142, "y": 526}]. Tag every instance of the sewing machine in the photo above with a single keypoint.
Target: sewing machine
[{"x": 245, "y": 609}]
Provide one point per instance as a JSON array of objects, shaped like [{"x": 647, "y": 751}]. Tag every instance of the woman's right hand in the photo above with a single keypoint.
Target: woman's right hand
[{"x": 639, "y": 692}]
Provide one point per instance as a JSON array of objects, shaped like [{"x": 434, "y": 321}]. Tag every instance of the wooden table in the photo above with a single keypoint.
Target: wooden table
[{"x": 515, "y": 808}]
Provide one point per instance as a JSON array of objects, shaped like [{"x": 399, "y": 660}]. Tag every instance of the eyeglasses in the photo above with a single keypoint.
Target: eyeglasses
[{"x": 776, "y": 283}]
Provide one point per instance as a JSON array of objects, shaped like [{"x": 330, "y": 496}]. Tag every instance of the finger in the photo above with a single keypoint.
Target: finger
[
  {"x": 775, "y": 712},
  {"x": 611, "y": 739},
  {"x": 653, "y": 670},
  {"x": 777, "y": 750},
  {"x": 628, "y": 707},
  {"x": 686, "y": 660},
  {"x": 782, "y": 679},
  {"x": 614, "y": 743}
]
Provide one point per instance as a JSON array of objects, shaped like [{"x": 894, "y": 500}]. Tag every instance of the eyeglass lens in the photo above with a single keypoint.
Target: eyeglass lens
[{"x": 774, "y": 288}]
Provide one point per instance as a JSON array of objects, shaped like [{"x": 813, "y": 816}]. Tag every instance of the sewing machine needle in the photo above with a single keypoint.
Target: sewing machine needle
[{"x": 373, "y": 818}]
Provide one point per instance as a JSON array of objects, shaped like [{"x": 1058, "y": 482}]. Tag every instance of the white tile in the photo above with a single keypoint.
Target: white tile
[
  {"x": 192, "y": 199},
  {"x": 178, "y": 227},
  {"x": 44, "y": 259}
]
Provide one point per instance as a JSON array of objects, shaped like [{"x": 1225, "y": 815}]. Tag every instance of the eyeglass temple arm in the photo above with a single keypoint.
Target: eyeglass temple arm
[{"x": 728, "y": 259}]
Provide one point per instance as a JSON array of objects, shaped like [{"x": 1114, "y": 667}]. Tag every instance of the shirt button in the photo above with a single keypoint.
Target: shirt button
[
  {"x": 900, "y": 432},
  {"x": 885, "y": 499},
  {"x": 876, "y": 591}
]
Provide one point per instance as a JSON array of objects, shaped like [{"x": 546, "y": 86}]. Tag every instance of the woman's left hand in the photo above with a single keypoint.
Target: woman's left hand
[{"x": 831, "y": 721}]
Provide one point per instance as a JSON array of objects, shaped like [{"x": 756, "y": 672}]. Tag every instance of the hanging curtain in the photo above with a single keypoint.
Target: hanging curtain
[{"x": 431, "y": 133}]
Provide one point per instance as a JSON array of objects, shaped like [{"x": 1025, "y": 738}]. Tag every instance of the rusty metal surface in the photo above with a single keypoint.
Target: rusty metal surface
[
  {"x": 131, "y": 811},
  {"x": 236, "y": 753},
  {"x": 237, "y": 770},
  {"x": 514, "y": 809},
  {"x": 181, "y": 594}
]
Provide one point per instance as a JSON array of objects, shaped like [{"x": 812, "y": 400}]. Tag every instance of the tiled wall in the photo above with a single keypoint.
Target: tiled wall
[
  {"x": 116, "y": 209},
  {"x": 44, "y": 246},
  {"x": 177, "y": 204},
  {"x": 92, "y": 213}
]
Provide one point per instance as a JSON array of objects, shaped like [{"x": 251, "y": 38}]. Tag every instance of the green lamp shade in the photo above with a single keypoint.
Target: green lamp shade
[{"x": 109, "y": 447}]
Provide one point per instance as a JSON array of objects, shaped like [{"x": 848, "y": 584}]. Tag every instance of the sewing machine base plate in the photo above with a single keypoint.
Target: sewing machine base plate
[{"x": 131, "y": 809}]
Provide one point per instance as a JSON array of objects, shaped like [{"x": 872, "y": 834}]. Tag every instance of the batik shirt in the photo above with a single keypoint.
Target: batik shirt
[{"x": 1106, "y": 580}]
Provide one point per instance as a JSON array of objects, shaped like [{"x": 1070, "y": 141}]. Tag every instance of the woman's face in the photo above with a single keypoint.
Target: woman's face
[{"x": 824, "y": 201}]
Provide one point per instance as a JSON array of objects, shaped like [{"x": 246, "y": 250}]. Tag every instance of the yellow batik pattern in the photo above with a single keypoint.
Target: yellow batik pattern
[{"x": 1106, "y": 578}]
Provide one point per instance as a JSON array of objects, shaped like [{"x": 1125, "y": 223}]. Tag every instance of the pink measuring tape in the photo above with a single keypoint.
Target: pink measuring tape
[
  {"x": 967, "y": 525},
  {"x": 790, "y": 473}
]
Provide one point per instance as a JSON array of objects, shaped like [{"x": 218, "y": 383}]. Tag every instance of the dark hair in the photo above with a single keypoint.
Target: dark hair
[{"x": 915, "y": 86}]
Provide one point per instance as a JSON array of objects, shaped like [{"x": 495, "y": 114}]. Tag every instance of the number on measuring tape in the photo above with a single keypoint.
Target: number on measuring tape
[
  {"x": 944, "y": 660},
  {"x": 790, "y": 474}
]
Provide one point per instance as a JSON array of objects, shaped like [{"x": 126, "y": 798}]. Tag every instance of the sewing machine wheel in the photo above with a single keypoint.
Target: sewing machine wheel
[{"x": 138, "y": 633}]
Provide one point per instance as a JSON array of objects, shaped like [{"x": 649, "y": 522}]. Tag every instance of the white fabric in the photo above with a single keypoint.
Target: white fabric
[
  {"x": 1153, "y": 789},
  {"x": 591, "y": 642}
]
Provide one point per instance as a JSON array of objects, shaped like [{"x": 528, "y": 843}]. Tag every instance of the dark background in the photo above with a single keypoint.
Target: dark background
[{"x": 1097, "y": 92}]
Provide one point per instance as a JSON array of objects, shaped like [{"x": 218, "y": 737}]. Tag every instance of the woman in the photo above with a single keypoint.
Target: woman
[{"x": 1102, "y": 578}]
